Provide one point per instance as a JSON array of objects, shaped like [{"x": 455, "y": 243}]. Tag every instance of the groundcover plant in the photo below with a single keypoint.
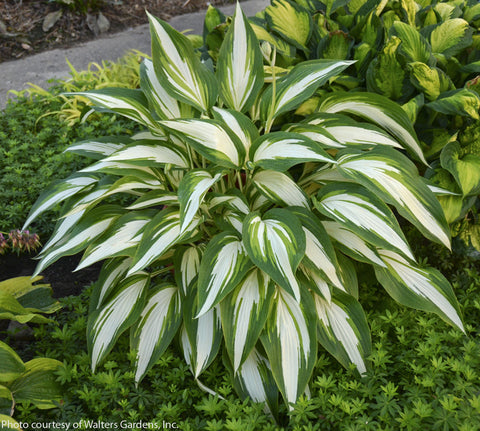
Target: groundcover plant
[{"x": 246, "y": 220}]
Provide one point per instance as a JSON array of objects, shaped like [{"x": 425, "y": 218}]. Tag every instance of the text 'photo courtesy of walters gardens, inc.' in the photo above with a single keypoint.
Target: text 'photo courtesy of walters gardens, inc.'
[{"x": 87, "y": 424}]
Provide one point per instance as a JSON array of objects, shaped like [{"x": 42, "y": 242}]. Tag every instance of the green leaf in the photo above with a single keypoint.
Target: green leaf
[
  {"x": 420, "y": 288},
  {"x": 276, "y": 244},
  {"x": 38, "y": 384},
  {"x": 244, "y": 312},
  {"x": 124, "y": 101},
  {"x": 290, "y": 343},
  {"x": 58, "y": 192},
  {"x": 451, "y": 37},
  {"x": 464, "y": 168},
  {"x": 290, "y": 21},
  {"x": 120, "y": 239},
  {"x": 11, "y": 309},
  {"x": 158, "y": 324},
  {"x": 380, "y": 110},
  {"x": 280, "y": 188},
  {"x": 107, "y": 323},
  {"x": 282, "y": 150},
  {"x": 191, "y": 191},
  {"x": 414, "y": 47},
  {"x": 343, "y": 330},
  {"x": 185, "y": 78},
  {"x": 430, "y": 80},
  {"x": 161, "y": 233},
  {"x": 394, "y": 179},
  {"x": 211, "y": 139},
  {"x": 164, "y": 105},
  {"x": 297, "y": 86},
  {"x": 91, "y": 226},
  {"x": 458, "y": 102},
  {"x": 11, "y": 366},
  {"x": 360, "y": 211},
  {"x": 200, "y": 337},
  {"x": 223, "y": 266},
  {"x": 240, "y": 65}
]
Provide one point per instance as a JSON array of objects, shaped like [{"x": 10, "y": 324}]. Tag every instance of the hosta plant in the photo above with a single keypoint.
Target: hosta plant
[
  {"x": 424, "y": 55},
  {"x": 246, "y": 222}
]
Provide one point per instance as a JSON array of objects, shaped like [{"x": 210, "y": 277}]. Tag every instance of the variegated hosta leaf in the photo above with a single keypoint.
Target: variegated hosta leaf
[
  {"x": 380, "y": 110},
  {"x": 311, "y": 278},
  {"x": 107, "y": 323},
  {"x": 191, "y": 191},
  {"x": 239, "y": 124},
  {"x": 112, "y": 273},
  {"x": 291, "y": 343},
  {"x": 420, "y": 288},
  {"x": 187, "y": 264},
  {"x": 280, "y": 151},
  {"x": 296, "y": 87},
  {"x": 280, "y": 188},
  {"x": 240, "y": 64},
  {"x": 158, "y": 324},
  {"x": 120, "y": 239},
  {"x": 180, "y": 71},
  {"x": 244, "y": 312},
  {"x": 343, "y": 329},
  {"x": 155, "y": 198},
  {"x": 124, "y": 101},
  {"x": 201, "y": 337},
  {"x": 159, "y": 235},
  {"x": 255, "y": 380},
  {"x": 232, "y": 199},
  {"x": 351, "y": 244},
  {"x": 350, "y": 133},
  {"x": 319, "y": 251},
  {"x": 164, "y": 105},
  {"x": 223, "y": 266},
  {"x": 90, "y": 227},
  {"x": 98, "y": 148},
  {"x": 316, "y": 133},
  {"x": 60, "y": 191},
  {"x": 394, "y": 179},
  {"x": 360, "y": 211},
  {"x": 211, "y": 139},
  {"x": 276, "y": 244},
  {"x": 150, "y": 153}
]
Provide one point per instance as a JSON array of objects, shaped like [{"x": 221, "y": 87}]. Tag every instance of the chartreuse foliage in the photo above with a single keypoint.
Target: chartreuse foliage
[
  {"x": 33, "y": 382},
  {"x": 245, "y": 220},
  {"x": 423, "y": 55}
]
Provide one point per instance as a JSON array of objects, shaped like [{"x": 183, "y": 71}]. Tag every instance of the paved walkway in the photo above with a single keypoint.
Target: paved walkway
[{"x": 39, "y": 68}]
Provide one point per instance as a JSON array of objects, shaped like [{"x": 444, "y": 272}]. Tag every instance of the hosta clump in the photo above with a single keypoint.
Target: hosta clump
[{"x": 246, "y": 219}]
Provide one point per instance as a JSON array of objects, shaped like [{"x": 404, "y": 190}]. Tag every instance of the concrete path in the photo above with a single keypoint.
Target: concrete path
[{"x": 39, "y": 68}]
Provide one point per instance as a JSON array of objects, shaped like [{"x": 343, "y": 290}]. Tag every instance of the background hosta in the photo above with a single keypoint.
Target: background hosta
[
  {"x": 424, "y": 55},
  {"x": 245, "y": 222}
]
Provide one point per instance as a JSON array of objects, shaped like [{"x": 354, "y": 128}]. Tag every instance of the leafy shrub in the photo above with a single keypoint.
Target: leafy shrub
[
  {"x": 423, "y": 55},
  {"x": 425, "y": 376},
  {"x": 247, "y": 220},
  {"x": 32, "y": 155}
]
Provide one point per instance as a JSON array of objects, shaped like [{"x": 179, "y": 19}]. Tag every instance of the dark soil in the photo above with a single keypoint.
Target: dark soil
[
  {"x": 21, "y": 21},
  {"x": 59, "y": 275}
]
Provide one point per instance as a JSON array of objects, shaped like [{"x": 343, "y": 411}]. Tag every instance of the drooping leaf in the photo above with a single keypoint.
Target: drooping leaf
[
  {"x": 98, "y": 148},
  {"x": 244, "y": 312},
  {"x": 108, "y": 322},
  {"x": 158, "y": 324},
  {"x": 11, "y": 365},
  {"x": 463, "y": 102},
  {"x": 343, "y": 330},
  {"x": 240, "y": 65},
  {"x": 420, "y": 288},
  {"x": 290, "y": 343},
  {"x": 276, "y": 244}
]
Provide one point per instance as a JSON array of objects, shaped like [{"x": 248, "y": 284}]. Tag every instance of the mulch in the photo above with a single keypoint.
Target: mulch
[{"x": 23, "y": 29}]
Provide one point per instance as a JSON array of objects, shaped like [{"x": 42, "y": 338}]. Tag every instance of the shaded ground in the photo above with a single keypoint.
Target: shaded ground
[{"x": 22, "y": 22}]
